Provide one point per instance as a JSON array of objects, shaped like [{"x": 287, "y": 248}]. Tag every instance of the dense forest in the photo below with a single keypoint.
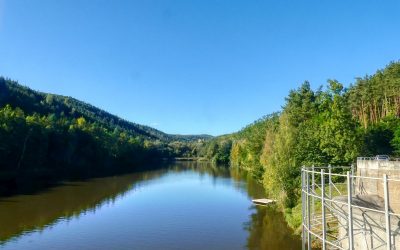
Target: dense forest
[
  {"x": 52, "y": 137},
  {"x": 330, "y": 125},
  {"x": 47, "y": 137}
]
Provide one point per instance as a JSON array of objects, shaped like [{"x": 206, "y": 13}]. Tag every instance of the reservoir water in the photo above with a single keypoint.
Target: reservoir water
[{"x": 185, "y": 205}]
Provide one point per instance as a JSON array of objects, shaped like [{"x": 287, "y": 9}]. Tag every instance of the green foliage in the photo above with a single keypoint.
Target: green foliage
[
  {"x": 338, "y": 135},
  {"x": 50, "y": 137},
  {"x": 216, "y": 150},
  {"x": 45, "y": 104},
  {"x": 45, "y": 133},
  {"x": 293, "y": 217},
  {"x": 396, "y": 140},
  {"x": 380, "y": 138},
  {"x": 328, "y": 126},
  {"x": 375, "y": 97},
  {"x": 249, "y": 142}
]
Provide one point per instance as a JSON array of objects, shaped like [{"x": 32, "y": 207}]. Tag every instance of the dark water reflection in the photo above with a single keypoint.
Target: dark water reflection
[{"x": 186, "y": 205}]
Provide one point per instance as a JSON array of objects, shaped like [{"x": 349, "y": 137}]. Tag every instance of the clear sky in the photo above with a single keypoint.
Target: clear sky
[{"x": 197, "y": 66}]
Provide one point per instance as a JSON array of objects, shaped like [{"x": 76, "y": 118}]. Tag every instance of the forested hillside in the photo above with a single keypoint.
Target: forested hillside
[
  {"x": 330, "y": 125},
  {"x": 50, "y": 137}
]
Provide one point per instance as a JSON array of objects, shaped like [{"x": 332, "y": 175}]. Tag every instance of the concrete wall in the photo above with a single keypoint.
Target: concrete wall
[
  {"x": 377, "y": 168},
  {"x": 370, "y": 227}
]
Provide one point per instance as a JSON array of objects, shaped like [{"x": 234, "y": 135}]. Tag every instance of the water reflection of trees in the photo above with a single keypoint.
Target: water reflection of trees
[
  {"x": 267, "y": 228},
  {"x": 24, "y": 213}
]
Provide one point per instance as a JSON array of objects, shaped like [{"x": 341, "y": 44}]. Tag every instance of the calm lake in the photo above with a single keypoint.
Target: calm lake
[{"x": 186, "y": 205}]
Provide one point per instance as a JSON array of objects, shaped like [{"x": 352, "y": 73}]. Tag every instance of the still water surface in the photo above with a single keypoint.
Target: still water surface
[{"x": 186, "y": 205}]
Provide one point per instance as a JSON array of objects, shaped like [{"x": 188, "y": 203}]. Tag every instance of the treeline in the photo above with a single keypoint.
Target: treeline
[
  {"x": 375, "y": 97},
  {"x": 32, "y": 101},
  {"x": 216, "y": 150},
  {"x": 331, "y": 125},
  {"x": 46, "y": 137}
]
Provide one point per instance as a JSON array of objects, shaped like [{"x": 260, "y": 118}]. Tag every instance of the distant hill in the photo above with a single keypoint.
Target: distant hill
[
  {"x": 31, "y": 101},
  {"x": 47, "y": 137}
]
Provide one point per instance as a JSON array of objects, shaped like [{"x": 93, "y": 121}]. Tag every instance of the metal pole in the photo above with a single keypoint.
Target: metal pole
[
  {"x": 303, "y": 204},
  {"x": 352, "y": 182},
  {"x": 308, "y": 213},
  {"x": 323, "y": 209},
  {"x": 313, "y": 192},
  {"x": 387, "y": 215},
  {"x": 330, "y": 181},
  {"x": 350, "y": 211}
]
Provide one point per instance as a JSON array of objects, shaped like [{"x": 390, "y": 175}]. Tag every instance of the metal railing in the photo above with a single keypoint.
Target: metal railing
[
  {"x": 375, "y": 158},
  {"x": 329, "y": 197}
]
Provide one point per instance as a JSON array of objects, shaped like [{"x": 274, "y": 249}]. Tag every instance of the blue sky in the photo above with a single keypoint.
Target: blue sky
[{"x": 193, "y": 67}]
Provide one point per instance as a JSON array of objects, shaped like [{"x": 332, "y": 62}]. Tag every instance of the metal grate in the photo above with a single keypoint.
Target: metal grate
[{"x": 334, "y": 214}]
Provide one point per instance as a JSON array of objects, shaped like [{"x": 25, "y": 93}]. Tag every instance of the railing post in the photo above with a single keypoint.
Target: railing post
[
  {"x": 313, "y": 192},
  {"x": 387, "y": 214},
  {"x": 352, "y": 182},
  {"x": 323, "y": 209},
  {"x": 303, "y": 211},
  {"x": 350, "y": 211},
  {"x": 308, "y": 213},
  {"x": 330, "y": 180}
]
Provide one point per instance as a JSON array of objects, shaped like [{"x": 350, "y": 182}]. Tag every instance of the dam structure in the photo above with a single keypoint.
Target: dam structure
[{"x": 352, "y": 207}]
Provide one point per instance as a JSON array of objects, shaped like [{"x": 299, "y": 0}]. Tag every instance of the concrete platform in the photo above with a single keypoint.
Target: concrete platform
[
  {"x": 369, "y": 226},
  {"x": 263, "y": 202}
]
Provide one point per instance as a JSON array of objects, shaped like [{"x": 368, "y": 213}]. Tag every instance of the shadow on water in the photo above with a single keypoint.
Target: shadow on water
[
  {"x": 22, "y": 213},
  {"x": 35, "y": 183},
  {"x": 266, "y": 228}
]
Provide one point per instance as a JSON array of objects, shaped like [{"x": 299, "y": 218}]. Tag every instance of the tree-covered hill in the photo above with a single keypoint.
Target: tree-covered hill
[
  {"x": 330, "y": 125},
  {"x": 31, "y": 101},
  {"x": 51, "y": 137}
]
